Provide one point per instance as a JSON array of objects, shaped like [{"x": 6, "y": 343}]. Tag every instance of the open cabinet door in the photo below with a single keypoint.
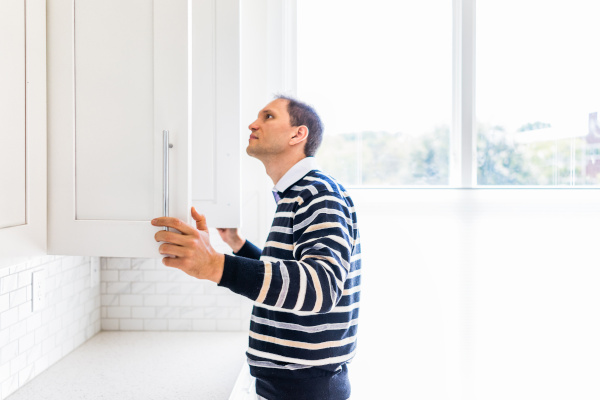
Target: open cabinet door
[
  {"x": 117, "y": 78},
  {"x": 22, "y": 128},
  {"x": 216, "y": 133}
]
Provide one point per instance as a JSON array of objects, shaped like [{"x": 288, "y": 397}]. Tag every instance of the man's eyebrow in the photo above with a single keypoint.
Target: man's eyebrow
[{"x": 267, "y": 111}]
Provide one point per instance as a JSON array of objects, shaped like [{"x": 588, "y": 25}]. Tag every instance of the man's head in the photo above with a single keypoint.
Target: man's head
[{"x": 285, "y": 126}]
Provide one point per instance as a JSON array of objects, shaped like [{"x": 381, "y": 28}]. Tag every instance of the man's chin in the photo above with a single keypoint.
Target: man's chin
[{"x": 251, "y": 152}]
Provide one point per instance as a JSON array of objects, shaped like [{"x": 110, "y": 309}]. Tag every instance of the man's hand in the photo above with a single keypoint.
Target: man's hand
[
  {"x": 232, "y": 238},
  {"x": 192, "y": 250}
]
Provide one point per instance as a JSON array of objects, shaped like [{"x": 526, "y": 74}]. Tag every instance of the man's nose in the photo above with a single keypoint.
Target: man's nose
[{"x": 253, "y": 126}]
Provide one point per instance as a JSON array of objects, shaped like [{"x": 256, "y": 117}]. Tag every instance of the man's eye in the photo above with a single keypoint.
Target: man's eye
[{"x": 269, "y": 116}]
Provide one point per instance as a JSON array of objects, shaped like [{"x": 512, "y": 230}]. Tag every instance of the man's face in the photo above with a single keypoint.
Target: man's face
[{"x": 271, "y": 132}]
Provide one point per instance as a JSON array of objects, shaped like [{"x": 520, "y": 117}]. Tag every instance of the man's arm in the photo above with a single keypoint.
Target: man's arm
[
  {"x": 313, "y": 281},
  {"x": 240, "y": 246}
]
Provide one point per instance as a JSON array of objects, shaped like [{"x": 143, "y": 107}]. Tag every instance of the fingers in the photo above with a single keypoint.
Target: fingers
[
  {"x": 171, "y": 237},
  {"x": 173, "y": 223},
  {"x": 200, "y": 220},
  {"x": 172, "y": 262},
  {"x": 167, "y": 249}
]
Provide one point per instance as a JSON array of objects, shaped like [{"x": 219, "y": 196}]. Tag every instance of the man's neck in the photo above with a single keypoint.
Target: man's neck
[{"x": 277, "y": 167}]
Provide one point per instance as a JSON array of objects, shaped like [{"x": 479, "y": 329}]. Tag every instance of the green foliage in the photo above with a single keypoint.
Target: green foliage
[
  {"x": 387, "y": 159},
  {"x": 399, "y": 159},
  {"x": 499, "y": 162}
]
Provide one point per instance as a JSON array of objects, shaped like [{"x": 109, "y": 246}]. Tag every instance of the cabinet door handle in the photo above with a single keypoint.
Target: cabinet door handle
[{"x": 166, "y": 147}]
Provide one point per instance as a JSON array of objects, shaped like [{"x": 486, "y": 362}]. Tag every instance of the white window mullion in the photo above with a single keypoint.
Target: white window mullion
[{"x": 463, "y": 167}]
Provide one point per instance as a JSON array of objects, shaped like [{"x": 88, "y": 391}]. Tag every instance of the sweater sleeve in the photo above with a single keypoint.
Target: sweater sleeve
[
  {"x": 313, "y": 280},
  {"x": 249, "y": 250}
]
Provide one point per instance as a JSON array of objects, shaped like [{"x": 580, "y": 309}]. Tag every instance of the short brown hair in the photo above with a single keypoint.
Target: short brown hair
[{"x": 303, "y": 114}]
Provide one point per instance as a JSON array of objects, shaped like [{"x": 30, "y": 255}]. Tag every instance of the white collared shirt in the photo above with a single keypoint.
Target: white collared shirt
[{"x": 294, "y": 174}]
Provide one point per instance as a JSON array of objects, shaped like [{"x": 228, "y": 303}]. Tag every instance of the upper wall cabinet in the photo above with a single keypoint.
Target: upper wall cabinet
[
  {"x": 120, "y": 75},
  {"x": 22, "y": 128}
]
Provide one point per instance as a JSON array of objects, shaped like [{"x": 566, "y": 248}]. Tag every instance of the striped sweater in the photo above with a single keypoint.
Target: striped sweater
[{"x": 305, "y": 283}]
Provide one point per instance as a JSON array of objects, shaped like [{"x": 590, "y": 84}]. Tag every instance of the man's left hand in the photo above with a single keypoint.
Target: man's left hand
[{"x": 192, "y": 251}]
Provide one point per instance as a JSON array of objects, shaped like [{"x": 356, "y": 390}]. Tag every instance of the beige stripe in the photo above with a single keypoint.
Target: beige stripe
[
  {"x": 324, "y": 361},
  {"x": 325, "y": 225},
  {"x": 266, "y": 283},
  {"x": 292, "y": 200},
  {"x": 302, "y": 290},
  {"x": 318, "y": 289},
  {"x": 351, "y": 290},
  {"x": 303, "y": 345},
  {"x": 279, "y": 245}
]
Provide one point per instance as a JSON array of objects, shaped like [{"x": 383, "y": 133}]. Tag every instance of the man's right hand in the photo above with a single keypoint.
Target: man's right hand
[{"x": 232, "y": 238}]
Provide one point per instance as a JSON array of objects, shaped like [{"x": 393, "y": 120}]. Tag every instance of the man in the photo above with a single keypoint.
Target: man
[{"x": 306, "y": 281}]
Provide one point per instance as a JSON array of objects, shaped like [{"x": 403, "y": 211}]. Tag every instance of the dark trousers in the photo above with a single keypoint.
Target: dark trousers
[{"x": 331, "y": 387}]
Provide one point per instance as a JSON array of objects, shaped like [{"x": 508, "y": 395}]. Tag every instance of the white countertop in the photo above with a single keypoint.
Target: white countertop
[{"x": 144, "y": 365}]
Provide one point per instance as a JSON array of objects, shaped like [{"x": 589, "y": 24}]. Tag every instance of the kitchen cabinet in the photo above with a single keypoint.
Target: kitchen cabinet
[
  {"x": 120, "y": 74},
  {"x": 23, "y": 128}
]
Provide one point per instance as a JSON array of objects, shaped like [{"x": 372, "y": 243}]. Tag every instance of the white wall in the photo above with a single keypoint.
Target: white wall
[{"x": 480, "y": 294}]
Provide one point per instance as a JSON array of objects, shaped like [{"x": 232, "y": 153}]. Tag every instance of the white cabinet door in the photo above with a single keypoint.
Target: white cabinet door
[
  {"x": 22, "y": 128},
  {"x": 117, "y": 78},
  {"x": 216, "y": 111}
]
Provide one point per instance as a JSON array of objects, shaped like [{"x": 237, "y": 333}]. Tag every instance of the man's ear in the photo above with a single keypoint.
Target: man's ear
[{"x": 300, "y": 135}]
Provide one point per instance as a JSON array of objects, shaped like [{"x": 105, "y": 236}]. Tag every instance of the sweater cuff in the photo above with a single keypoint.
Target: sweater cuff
[
  {"x": 249, "y": 250},
  {"x": 243, "y": 276}
]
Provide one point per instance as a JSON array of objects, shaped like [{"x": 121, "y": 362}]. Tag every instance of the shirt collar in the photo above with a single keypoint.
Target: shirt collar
[{"x": 296, "y": 173}]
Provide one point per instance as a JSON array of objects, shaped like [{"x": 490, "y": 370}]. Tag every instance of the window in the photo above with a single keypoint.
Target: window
[
  {"x": 380, "y": 75},
  {"x": 392, "y": 81},
  {"x": 538, "y": 93}
]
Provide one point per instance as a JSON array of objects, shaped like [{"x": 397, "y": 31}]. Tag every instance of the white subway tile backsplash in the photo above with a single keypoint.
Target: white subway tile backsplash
[
  {"x": 110, "y": 324},
  {"x": 143, "y": 287},
  {"x": 163, "y": 298},
  {"x": 4, "y": 302},
  {"x": 167, "y": 312},
  {"x": 144, "y": 263},
  {"x": 109, "y": 276},
  {"x": 143, "y": 312},
  {"x": 18, "y": 297},
  {"x": 156, "y": 324},
  {"x": 204, "y": 325},
  {"x": 229, "y": 325},
  {"x": 118, "y": 312},
  {"x": 131, "y": 300},
  {"x": 130, "y": 275},
  {"x": 8, "y": 284},
  {"x": 131, "y": 324},
  {"x": 9, "y": 317},
  {"x": 118, "y": 263},
  {"x": 33, "y": 341},
  {"x": 118, "y": 288},
  {"x": 180, "y": 325},
  {"x": 192, "y": 312}
]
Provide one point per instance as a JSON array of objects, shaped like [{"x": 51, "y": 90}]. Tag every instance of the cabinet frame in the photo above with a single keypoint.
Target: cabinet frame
[{"x": 30, "y": 237}]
